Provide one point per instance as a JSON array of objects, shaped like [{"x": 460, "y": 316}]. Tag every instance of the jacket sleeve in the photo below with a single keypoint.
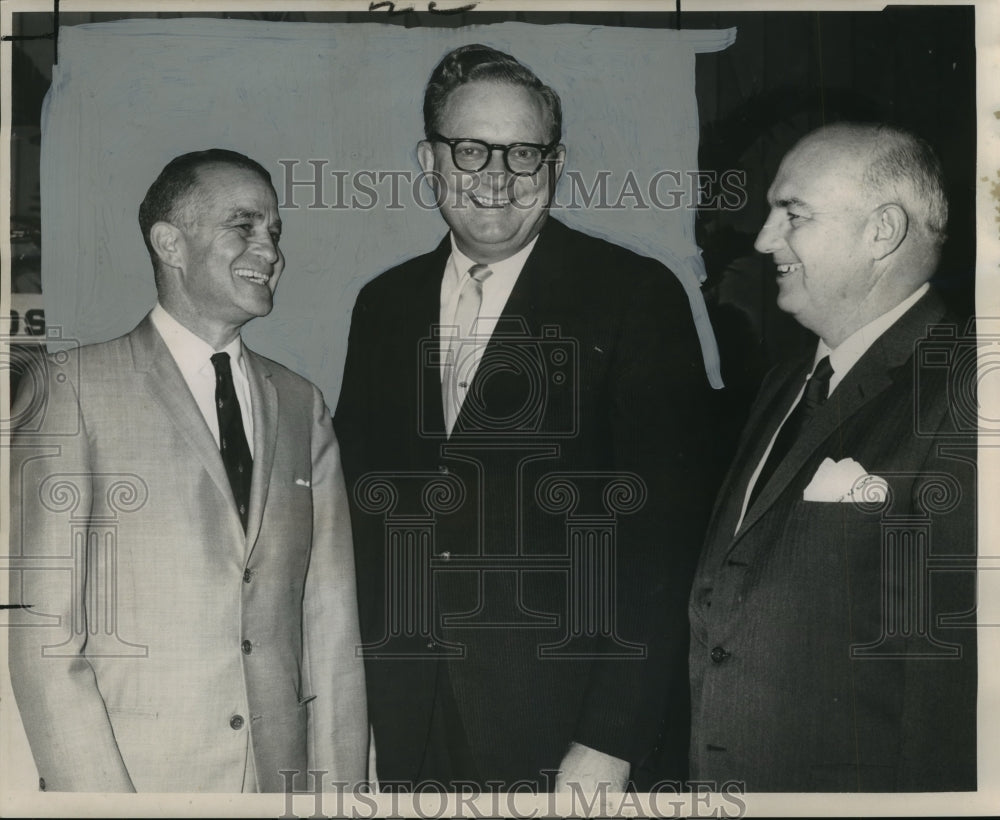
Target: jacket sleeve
[
  {"x": 938, "y": 702},
  {"x": 351, "y": 418},
  {"x": 338, "y": 718},
  {"x": 661, "y": 410},
  {"x": 63, "y": 712}
]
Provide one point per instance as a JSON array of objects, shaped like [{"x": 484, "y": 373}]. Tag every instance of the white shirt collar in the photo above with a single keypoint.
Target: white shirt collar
[
  {"x": 193, "y": 356},
  {"x": 505, "y": 269},
  {"x": 496, "y": 291},
  {"x": 845, "y": 355},
  {"x": 187, "y": 348}
]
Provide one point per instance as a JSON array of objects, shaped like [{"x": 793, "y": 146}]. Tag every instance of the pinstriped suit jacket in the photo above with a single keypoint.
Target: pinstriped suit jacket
[{"x": 826, "y": 653}]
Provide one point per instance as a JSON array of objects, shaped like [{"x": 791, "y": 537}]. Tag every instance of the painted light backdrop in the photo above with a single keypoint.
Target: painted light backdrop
[{"x": 128, "y": 96}]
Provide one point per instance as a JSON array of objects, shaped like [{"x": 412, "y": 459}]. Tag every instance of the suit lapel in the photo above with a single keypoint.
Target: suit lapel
[
  {"x": 771, "y": 406},
  {"x": 426, "y": 301},
  {"x": 264, "y": 399},
  {"x": 167, "y": 386},
  {"x": 874, "y": 372},
  {"x": 529, "y": 298}
]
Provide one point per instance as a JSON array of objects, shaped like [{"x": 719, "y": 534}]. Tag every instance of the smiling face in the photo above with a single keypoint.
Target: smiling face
[
  {"x": 492, "y": 213},
  {"x": 225, "y": 253},
  {"x": 818, "y": 232}
]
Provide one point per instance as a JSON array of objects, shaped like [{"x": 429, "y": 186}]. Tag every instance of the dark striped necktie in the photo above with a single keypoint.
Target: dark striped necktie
[{"x": 232, "y": 437}]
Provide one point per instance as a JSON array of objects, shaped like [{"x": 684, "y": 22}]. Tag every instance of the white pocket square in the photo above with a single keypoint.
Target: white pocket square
[
  {"x": 303, "y": 482},
  {"x": 845, "y": 481}
]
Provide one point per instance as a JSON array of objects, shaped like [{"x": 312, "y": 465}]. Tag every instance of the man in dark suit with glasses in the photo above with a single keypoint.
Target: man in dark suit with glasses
[{"x": 524, "y": 423}]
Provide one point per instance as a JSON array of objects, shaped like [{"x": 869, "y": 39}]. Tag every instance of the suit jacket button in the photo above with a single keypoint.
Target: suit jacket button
[
  {"x": 247, "y": 647},
  {"x": 247, "y": 575},
  {"x": 41, "y": 783},
  {"x": 236, "y": 722},
  {"x": 718, "y": 655}
]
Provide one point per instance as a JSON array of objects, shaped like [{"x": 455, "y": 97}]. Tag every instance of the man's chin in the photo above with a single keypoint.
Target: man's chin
[
  {"x": 492, "y": 248},
  {"x": 499, "y": 238},
  {"x": 786, "y": 302},
  {"x": 259, "y": 307}
]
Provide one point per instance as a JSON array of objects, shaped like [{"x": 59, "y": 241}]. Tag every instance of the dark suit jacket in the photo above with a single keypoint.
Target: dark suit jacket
[
  {"x": 819, "y": 660},
  {"x": 590, "y": 418}
]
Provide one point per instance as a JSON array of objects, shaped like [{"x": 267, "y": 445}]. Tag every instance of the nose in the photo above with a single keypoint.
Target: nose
[
  {"x": 496, "y": 168},
  {"x": 495, "y": 175},
  {"x": 266, "y": 247},
  {"x": 496, "y": 162},
  {"x": 770, "y": 235}
]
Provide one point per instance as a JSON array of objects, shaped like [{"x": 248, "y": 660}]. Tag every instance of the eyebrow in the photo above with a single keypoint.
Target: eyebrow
[
  {"x": 791, "y": 202},
  {"x": 244, "y": 213}
]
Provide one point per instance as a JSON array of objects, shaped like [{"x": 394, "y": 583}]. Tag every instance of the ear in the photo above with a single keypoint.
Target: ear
[
  {"x": 558, "y": 163},
  {"x": 425, "y": 156},
  {"x": 890, "y": 224},
  {"x": 431, "y": 175},
  {"x": 168, "y": 243}
]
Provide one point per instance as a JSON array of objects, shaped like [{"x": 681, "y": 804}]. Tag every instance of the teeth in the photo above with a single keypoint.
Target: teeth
[
  {"x": 252, "y": 275},
  {"x": 789, "y": 268},
  {"x": 490, "y": 202}
]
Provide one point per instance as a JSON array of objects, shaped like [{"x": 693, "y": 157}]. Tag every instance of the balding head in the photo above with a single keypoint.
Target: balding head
[
  {"x": 857, "y": 220},
  {"x": 893, "y": 166}
]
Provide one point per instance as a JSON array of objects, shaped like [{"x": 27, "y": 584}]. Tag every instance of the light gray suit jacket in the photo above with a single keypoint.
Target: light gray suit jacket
[{"x": 164, "y": 647}]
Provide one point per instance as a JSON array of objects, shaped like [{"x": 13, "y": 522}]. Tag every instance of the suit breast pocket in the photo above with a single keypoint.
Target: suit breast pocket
[
  {"x": 808, "y": 552},
  {"x": 291, "y": 478},
  {"x": 845, "y": 554},
  {"x": 129, "y": 712},
  {"x": 831, "y": 523}
]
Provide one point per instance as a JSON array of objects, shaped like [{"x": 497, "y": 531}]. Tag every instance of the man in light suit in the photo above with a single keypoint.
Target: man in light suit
[
  {"x": 832, "y": 614},
  {"x": 528, "y": 478},
  {"x": 179, "y": 510}
]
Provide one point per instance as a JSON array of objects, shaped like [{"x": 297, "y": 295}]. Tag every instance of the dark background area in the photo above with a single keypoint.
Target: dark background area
[{"x": 786, "y": 74}]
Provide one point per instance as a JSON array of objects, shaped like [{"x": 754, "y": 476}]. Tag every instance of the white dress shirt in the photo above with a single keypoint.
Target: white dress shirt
[
  {"x": 496, "y": 291},
  {"x": 194, "y": 359},
  {"x": 842, "y": 358}
]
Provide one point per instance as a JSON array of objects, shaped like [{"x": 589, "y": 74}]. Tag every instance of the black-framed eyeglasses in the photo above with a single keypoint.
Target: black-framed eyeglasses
[{"x": 521, "y": 158}]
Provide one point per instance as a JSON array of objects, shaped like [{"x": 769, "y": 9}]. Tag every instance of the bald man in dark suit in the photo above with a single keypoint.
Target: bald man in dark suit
[{"x": 829, "y": 651}]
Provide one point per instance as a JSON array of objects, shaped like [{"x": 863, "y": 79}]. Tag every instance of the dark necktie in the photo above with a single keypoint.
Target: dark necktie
[
  {"x": 232, "y": 438},
  {"x": 815, "y": 394}
]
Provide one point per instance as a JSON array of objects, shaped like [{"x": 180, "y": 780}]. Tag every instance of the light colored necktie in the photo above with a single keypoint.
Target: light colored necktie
[{"x": 460, "y": 361}]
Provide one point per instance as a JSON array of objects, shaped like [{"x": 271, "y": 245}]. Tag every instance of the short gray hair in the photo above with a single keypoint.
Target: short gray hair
[
  {"x": 904, "y": 168},
  {"x": 897, "y": 166}
]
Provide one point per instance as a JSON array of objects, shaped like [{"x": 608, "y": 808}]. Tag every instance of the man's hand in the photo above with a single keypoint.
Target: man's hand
[{"x": 590, "y": 768}]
